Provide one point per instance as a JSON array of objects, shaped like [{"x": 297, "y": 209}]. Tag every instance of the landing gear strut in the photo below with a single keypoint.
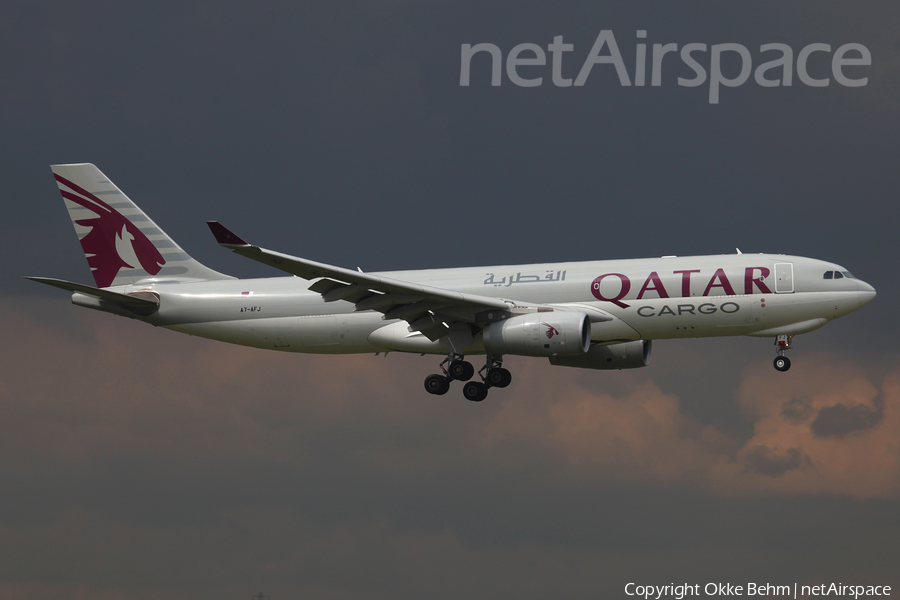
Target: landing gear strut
[
  {"x": 460, "y": 369},
  {"x": 782, "y": 362},
  {"x": 496, "y": 375},
  {"x": 456, "y": 368},
  {"x": 492, "y": 374}
]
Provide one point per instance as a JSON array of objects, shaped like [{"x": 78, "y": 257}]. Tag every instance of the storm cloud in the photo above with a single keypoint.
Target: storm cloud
[
  {"x": 206, "y": 468},
  {"x": 767, "y": 461},
  {"x": 840, "y": 419}
]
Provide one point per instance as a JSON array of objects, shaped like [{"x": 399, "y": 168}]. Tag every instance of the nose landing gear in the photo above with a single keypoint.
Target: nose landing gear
[{"x": 782, "y": 362}]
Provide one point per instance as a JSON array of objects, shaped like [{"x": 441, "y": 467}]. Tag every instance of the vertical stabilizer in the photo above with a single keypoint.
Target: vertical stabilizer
[{"x": 122, "y": 244}]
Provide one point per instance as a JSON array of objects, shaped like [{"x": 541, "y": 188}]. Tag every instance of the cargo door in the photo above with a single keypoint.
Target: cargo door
[
  {"x": 784, "y": 278},
  {"x": 318, "y": 331}
]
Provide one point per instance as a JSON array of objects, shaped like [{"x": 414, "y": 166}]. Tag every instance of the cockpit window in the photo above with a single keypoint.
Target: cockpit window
[{"x": 837, "y": 275}]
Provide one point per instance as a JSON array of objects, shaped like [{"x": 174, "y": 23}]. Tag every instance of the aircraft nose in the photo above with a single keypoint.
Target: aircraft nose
[{"x": 866, "y": 292}]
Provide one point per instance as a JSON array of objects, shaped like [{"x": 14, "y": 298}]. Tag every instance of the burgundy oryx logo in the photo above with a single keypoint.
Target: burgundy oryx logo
[
  {"x": 551, "y": 331},
  {"x": 113, "y": 241}
]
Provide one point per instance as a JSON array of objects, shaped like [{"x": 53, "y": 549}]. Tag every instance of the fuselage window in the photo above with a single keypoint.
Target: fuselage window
[{"x": 828, "y": 275}]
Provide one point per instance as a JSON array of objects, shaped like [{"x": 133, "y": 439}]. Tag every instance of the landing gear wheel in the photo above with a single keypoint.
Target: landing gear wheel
[
  {"x": 498, "y": 377},
  {"x": 437, "y": 385},
  {"x": 475, "y": 391},
  {"x": 461, "y": 370},
  {"x": 782, "y": 363}
]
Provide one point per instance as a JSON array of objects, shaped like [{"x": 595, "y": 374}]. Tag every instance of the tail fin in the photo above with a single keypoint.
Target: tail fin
[{"x": 122, "y": 244}]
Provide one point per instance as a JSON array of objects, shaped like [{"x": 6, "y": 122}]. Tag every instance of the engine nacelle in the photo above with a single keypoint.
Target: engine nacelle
[
  {"x": 627, "y": 355},
  {"x": 556, "y": 333}
]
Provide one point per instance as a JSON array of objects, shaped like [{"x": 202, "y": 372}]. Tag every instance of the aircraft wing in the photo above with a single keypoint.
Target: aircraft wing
[{"x": 427, "y": 309}]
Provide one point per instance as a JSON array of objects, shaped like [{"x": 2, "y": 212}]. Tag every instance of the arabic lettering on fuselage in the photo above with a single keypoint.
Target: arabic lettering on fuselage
[{"x": 550, "y": 276}]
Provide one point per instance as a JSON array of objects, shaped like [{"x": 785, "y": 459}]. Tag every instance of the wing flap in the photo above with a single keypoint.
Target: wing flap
[
  {"x": 323, "y": 286},
  {"x": 383, "y": 302},
  {"x": 351, "y": 293},
  {"x": 430, "y": 327}
]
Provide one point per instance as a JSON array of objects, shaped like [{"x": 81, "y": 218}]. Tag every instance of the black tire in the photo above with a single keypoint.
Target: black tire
[
  {"x": 499, "y": 377},
  {"x": 461, "y": 370},
  {"x": 437, "y": 385},
  {"x": 782, "y": 363},
  {"x": 475, "y": 391}
]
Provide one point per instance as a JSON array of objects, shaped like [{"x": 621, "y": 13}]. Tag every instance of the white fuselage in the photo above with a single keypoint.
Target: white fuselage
[{"x": 638, "y": 299}]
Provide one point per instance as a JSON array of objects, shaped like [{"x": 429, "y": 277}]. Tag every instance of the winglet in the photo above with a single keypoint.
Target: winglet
[{"x": 225, "y": 237}]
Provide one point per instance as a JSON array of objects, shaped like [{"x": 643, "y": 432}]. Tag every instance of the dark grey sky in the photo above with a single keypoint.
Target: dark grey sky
[{"x": 149, "y": 465}]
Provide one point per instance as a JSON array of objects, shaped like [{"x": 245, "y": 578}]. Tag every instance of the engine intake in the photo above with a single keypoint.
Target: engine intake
[
  {"x": 557, "y": 333},
  {"x": 627, "y": 355}
]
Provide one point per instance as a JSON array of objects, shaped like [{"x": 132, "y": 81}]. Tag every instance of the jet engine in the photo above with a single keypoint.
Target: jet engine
[
  {"x": 556, "y": 333},
  {"x": 627, "y": 355}
]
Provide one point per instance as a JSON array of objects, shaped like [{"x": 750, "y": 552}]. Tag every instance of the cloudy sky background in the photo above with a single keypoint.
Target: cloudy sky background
[{"x": 137, "y": 463}]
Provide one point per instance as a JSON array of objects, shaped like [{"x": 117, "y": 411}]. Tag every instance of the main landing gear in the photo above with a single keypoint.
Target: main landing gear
[
  {"x": 782, "y": 362},
  {"x": 492, "y": 374}
]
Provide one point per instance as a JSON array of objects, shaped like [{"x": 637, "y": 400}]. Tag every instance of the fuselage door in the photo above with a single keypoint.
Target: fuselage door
[{"x": 784, "y": 278}]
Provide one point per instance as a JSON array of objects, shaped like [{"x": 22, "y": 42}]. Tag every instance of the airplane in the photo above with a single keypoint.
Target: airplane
[{"x": 591, "y": 314}]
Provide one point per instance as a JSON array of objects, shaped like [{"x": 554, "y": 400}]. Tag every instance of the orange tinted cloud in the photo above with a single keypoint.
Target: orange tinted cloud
[
  {"x": 826, "y": 427},
  {"x": 142, "y": 459}
]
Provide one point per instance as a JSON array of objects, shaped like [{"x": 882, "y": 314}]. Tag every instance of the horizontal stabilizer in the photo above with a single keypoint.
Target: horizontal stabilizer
[{"x": 115, "y": 297}]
